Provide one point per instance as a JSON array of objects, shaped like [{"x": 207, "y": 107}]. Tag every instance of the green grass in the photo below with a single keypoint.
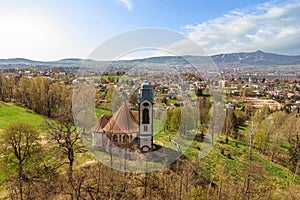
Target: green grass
[
  {"x": 268, "y": 171},
  {"x": 10, "y": 113},
  {"x": 173, "y": 101},
  {"x": 162, "y": 137},
  {"x": 157, "y": 125},
  {"x": 101, "y": 111},
  {"x": 114, "y": 77}
]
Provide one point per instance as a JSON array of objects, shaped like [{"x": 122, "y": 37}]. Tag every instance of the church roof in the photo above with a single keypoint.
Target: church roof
[
  {"x": 123, "y": 121},
  {"x": 146, "y": 85},
  {"x": 146, "y": 92},
  {"x": 101, "y": 123},
  {"x": 137, "y": 116}
]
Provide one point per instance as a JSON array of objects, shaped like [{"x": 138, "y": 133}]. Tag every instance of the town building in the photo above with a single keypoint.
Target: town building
[{"x": 125, "y": 128}]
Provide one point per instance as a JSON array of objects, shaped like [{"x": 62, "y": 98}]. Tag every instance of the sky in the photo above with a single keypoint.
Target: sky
[{"x": 52, "y": 30}]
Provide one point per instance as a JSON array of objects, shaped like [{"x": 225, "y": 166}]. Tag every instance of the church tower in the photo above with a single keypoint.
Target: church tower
[{"x": 145, "y": 101}]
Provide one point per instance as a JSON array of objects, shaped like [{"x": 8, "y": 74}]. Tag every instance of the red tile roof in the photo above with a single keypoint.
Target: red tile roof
[
  {"x": 136, "y": 115},
  {"x": 122, "y": 122},
  {"x": 101, "y": 123}
]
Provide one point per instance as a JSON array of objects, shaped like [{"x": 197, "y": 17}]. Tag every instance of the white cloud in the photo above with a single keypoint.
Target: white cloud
[
  {"x": 127, "y": 3},
  {"x": 272, "y": 26}
]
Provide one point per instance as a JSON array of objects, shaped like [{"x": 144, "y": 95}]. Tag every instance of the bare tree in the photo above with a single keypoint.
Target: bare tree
[
  {"x": 64, "y": 133},
  {"x": 20, "y": 142}
]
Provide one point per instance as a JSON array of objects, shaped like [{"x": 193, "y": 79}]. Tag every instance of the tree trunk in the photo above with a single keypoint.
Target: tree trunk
[
  {"x": 295, "y": 173},
  {"x": 21, "y": 180},
  {"x": 251, "y": 141}
]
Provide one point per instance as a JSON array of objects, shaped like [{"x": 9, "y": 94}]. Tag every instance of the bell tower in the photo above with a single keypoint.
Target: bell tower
[{"x": 146, "y": 101}]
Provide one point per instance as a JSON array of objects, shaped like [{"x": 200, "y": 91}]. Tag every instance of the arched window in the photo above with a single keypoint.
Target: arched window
[
  {"x": 145, "y": 116},
  {"x": 146, "y": 104},
  {"x": 115, "y": 138},
  {"x": 125, "y": 139}
]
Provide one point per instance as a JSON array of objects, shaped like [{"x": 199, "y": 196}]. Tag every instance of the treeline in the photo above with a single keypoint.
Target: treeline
[{"x": 45, "y": 96}]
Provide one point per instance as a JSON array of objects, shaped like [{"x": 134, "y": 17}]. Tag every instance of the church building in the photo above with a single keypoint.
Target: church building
[{"x": 127, "y": 129}]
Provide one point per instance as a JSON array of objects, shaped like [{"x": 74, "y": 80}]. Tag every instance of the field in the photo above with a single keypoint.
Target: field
[
  {"x": 10, "y": 113},
  {"x": 235, "y": 156},
  {"x": 100, "y": 111}
]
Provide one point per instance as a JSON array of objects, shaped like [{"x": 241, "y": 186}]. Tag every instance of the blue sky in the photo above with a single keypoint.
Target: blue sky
[{"x": 52, "y": 30}]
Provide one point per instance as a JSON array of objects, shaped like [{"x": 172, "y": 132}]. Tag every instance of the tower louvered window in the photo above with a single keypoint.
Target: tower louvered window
[{"x": 146, "y": 118}]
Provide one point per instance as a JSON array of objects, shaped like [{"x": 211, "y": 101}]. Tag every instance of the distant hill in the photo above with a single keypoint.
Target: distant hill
[
  {"x": 257, "y": 58},
  {"x": 22, "y": 62},
  {"x": 18, "y": 61},
  {"x": 77, "y": 61}
]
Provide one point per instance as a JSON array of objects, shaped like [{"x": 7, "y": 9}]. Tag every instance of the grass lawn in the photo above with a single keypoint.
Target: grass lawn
[
  {"x": 173, "y": 101},
  {"x": 10, "y": 113},
  {"x": 270, "y": 172},
  {"x": 113, "y": 77},
  {"x": 101, "y": 111}
]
